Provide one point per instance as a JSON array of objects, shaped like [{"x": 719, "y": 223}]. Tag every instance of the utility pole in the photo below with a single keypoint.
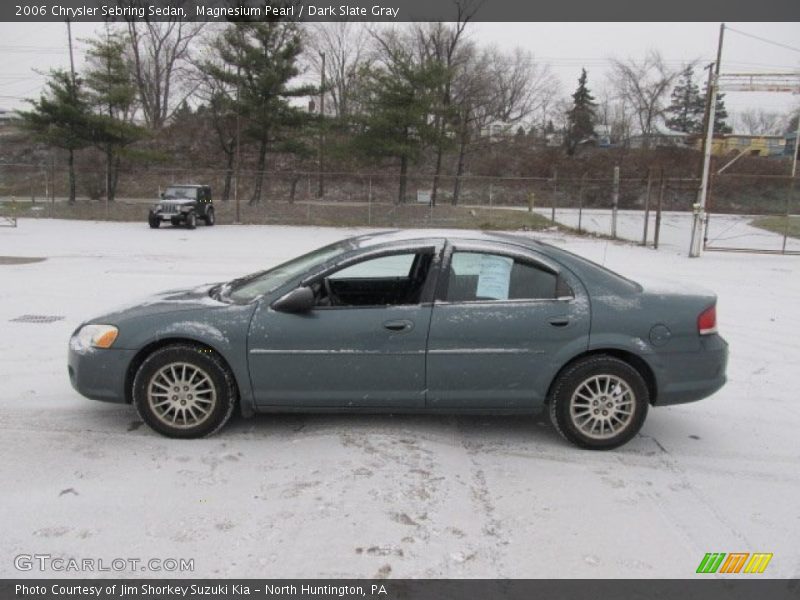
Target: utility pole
[
  {"x": 71, "y": 58},
  {"x": 700, "y": 217},
  {"x": 321, "y": 190},
  {"x": 237, "y": 220}
]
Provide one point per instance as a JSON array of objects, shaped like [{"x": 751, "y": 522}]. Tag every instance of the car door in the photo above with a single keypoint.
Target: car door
[
  {"x": 365, "y": 347},
  {"x": 504, "y": 322}
]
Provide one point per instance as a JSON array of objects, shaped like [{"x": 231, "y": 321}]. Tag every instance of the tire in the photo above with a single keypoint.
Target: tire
[
  {"x": 175, "y": 222},
  {"x": 191, "y": 221},
  {"x": 599, "y": 402},
  {"x": 154, "y": 222},
  {"x": 200, "y": 408},
  {"x": 210, "y": 217}
]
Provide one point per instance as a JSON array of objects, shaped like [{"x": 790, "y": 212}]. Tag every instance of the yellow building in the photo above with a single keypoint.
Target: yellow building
[{"x": 754, "y": 145}]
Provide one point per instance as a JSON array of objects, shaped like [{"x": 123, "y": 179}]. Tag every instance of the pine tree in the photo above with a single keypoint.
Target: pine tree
[
  {"x": 581, "y": 117},
  {"x": 686, "y": 111},
  {"x": 61, "y": 118},
  {"x": 111, "y": 92},
  {"x": 399, "y": 99},
  {"x": 720, "y": 115},
  {"x": 259, "y": 59}
]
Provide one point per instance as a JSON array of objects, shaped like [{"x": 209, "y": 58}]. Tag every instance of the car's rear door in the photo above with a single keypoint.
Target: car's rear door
[
  {"x": 366, "y": 350},
  {"x": 504, "y": 321}
]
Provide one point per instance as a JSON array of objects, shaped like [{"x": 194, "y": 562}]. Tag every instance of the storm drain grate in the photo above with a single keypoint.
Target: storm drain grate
[{"x": 37, "y": 319}]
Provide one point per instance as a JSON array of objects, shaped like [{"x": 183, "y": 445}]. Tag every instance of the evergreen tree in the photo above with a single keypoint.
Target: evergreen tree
[
  {"x": 581, "y": 117},
  {"x": 111, "y": 92},
  {"x": 400, "y": 98},
  {"x": 686, "y": 111},
  {"x": 259, "y": 60},
  {"x": 61, "y": 118},
  {"x": 720, "y": 115}
]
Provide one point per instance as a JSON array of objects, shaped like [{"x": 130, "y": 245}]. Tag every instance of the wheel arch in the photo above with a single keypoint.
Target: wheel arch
[
  {"x": 151, "y": 347},
  {"x": 635, "y": 361}
]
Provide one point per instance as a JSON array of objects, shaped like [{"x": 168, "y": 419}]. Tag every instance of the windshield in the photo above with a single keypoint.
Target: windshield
[
  {"x": 252, "y": 286},
  {"x": 180, "y": 193}
]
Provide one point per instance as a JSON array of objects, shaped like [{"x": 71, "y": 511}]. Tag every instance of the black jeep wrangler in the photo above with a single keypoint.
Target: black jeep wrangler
[{"x": 183, "y": 205}]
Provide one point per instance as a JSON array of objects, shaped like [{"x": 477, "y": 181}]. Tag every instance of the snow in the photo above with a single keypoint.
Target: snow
[{"x": 403, "y": 496}]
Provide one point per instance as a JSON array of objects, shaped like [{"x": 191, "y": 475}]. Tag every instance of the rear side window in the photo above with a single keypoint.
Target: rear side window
[{"x": 478, "y": 276}]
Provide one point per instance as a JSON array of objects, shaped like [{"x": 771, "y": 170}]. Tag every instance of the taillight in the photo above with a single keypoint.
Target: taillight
[{"x": 707, "y": 321}]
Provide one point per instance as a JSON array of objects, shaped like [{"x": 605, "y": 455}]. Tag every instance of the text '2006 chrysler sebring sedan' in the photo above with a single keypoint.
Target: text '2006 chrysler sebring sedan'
[{"x": 410, "y": 322}]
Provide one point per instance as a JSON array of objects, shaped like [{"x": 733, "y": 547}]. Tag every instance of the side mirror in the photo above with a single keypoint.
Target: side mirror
[{"x": 298, "y": 300}]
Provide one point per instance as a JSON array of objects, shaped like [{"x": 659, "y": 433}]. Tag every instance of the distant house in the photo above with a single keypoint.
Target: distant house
[
  {"x": 498, "y": 130},
  {"x": 754, "y": 145}
]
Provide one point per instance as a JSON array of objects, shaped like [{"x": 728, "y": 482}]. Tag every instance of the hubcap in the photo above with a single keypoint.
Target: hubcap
[
  {"x": 602, "y": 406},
  {"x": 181, "y": 395}
]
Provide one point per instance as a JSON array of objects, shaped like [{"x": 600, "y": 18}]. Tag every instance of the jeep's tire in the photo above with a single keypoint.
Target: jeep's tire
[
  {"x": 175, "y": 222},
  {"x": 191, "y": 220},
  {"x": 184, "y": 391},
  {"x": 154, "y": 222},
  {"x": 210, "y": 218},
  {"x": 599, "y": 402}
]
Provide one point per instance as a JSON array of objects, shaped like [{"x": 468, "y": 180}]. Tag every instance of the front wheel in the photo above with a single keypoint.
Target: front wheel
[
  {"x": 184, "y": 391},
  {"x": 599, "y": 402},
  {"x": 191, "y": 221},
  {"x": 154, "y": 222}
]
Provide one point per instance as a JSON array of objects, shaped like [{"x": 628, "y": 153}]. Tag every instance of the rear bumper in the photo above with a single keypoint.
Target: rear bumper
[
  {"x": 691, "y": 376},
  {"x": 99, "y": 374}
]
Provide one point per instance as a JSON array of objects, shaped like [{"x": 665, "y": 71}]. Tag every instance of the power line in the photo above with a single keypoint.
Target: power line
[{"x": 761, "y": 39}]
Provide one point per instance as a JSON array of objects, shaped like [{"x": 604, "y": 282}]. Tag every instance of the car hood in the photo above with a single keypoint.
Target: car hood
[
  {"x": 176, "y": 201},
  {"x": 165, "y": 302}
]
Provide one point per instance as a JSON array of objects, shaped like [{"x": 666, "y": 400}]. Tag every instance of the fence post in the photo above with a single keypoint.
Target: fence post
[
  {"x": 647, "y": 205},
  {"x": 657, "y": 230},
  {"x": 555, "y": 195},
  {"x": 615, "y": 203}
]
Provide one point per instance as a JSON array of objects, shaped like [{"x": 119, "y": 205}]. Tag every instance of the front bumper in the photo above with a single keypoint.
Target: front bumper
[
  {"x": 100, "y": 374},
  {"x": 691, "y": 376}
]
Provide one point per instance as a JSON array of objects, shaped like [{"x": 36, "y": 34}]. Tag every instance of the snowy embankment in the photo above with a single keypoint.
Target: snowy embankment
[{"x": 421, "y": 496}]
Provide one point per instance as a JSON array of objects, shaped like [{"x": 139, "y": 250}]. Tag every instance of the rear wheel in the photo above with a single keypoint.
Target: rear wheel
[
  {"x": 599, "y": 402},
  {"x": 210, "y": 218},
  {"x": 184, "y": 391}
]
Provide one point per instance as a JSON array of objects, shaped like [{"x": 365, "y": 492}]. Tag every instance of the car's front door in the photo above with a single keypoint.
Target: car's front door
[
  {"x": 503, "y": 323},
  {"x": 362, "y": 345}
]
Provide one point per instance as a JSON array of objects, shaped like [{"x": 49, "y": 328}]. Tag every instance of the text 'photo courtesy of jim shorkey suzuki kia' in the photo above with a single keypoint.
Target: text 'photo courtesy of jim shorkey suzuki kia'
[{"x": 411, "y": 321}]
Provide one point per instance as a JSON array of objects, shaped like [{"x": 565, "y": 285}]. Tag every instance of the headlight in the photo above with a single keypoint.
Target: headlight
[{"x": 94, "y": 336}]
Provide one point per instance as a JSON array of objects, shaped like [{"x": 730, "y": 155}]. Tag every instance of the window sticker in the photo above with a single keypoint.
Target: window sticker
[{"x": 494, "y": 278}]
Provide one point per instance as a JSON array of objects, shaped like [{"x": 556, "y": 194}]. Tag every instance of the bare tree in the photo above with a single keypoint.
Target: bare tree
[
  {"x": 160, "y": 57},
  {"x": 440, "y": 42},
  {"x": 495, "y": 86},
  {"x": 757, "y": 121},
  {"x": 346, "y": 49},
  {"x": 643, "y": 86}
]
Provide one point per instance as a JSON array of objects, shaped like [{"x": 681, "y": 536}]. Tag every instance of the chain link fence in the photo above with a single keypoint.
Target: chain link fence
[{"x": 749, "y": 211}]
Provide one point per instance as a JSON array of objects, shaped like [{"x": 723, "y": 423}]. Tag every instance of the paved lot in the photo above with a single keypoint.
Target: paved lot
[{"x": 411, "y": 496}]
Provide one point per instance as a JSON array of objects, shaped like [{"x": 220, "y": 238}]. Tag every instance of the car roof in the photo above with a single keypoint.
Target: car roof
[{"x": 452, "y": 235}]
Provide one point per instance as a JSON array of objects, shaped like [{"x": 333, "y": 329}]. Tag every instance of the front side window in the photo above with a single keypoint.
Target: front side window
[
  {"x": 478, "y": 276},
  {"x": 389, "y": 280}
]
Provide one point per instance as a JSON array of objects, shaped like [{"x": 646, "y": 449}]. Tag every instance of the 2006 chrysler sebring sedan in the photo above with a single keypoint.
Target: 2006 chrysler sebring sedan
[{"x": 410, "y": 321}]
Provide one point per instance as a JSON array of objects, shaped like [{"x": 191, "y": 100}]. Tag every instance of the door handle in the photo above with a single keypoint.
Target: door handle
[
  {"x": 399, "y": 325},
  {"x": 558, "y": 321}
]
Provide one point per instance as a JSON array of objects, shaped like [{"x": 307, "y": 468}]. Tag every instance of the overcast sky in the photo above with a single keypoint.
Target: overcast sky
[{"x": 26, "y": 47}]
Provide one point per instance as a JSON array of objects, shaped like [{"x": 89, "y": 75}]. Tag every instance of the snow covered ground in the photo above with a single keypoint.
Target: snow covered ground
[
  {"x": 421, "y": 496},
  {"x": 724, "y": 231}
]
